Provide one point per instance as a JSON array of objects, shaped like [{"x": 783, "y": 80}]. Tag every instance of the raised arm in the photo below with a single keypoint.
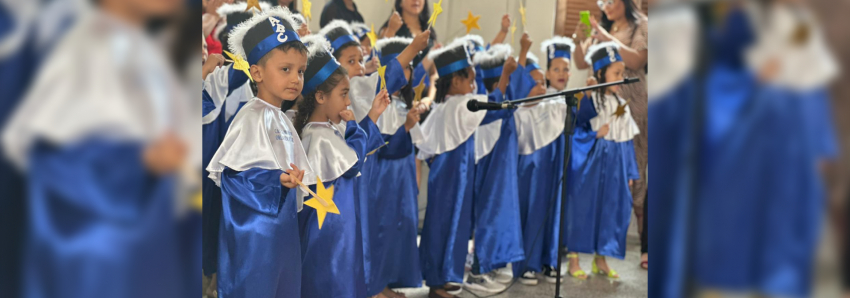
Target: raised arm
[
  {"x": 634, "y": 55},
  {"x": 503, "y": 32}
]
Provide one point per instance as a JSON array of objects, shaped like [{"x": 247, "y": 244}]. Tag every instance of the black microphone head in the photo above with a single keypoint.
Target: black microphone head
[
  {"x": 632, "y": 80},
  {"x": 472, "y": 105}
]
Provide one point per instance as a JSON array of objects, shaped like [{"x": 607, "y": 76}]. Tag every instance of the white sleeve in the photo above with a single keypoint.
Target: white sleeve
[{"x": 216, "y": 85}]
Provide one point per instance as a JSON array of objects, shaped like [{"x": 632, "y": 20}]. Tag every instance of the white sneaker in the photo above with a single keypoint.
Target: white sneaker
[
  {"x": 483, "y": 283},
  {"x": 501, "y": 276},
  {"x": 528, "y": 278},
  {"x": 455, "y": 292}
]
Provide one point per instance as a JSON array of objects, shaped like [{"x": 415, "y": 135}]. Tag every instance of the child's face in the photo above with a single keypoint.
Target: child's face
[
  {"x": 335, "y": 102},
  {"x": 614, "y": 74},
  {"x": 461, "y": 85},
  {"x": 365, "y": 46},
  {"x": 558, "y": 73},
  {"x": 352, "y": 60},
  {"x": 282, "y": 75}
]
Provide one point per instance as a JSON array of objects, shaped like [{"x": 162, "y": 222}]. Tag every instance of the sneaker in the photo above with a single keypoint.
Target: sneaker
[
  {"x": 528, "y": 278},
  {"x": 551, "y": 274},
  {"x": 502, "y": 275},
  {"x": 482, "y": 283},
  {"x": 453, "y": 288}
]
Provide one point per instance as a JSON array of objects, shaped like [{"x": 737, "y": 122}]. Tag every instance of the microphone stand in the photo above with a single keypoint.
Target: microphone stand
[{"x": 568, "y": 132}]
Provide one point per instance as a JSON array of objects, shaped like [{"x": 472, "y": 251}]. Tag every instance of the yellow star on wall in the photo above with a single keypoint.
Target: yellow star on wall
[
  {"x": 372, "y": 36},
  {"x": 522, "y": 13},
  {"x": 382, "y": 70},
  {"x": 417, "y": 91},
  {"x": 254, "y": 4},
  {"x": 306, "y": 7},
  {"x": 239, "y": 64},
  {"x": 471, "y": 22},
  {"x": 321, "y": 210},
  {"x": 438, "y": 9}
]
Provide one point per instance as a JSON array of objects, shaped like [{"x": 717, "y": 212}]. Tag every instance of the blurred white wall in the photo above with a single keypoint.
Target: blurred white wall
[{"x": 540, "y": 18}]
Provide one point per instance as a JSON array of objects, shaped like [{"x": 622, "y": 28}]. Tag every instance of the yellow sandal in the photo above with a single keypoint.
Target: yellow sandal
[
  {"x": 580, "y": 274},
  {"x": 595, "y": 269}
]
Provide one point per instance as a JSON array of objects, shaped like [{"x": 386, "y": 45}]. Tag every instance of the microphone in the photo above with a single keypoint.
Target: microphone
[{"x": 474, "y": 105}]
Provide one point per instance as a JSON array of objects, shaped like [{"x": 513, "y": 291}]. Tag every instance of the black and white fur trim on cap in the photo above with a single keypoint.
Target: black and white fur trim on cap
[
  {"x": 299, "y": 20},
  {"x": 392, "y": 45},
  {"x": 495, "y": 56},
  {"x": 448, "y": 59},
  {"x": 359, "y": 29},
  {"x": 475, "y": 43},
  {"x": 319, "y": 58},
  {"x": 339, "y": 34},
  {"x": 237, "y": 35},
  {"x": 314, "y": 43},
  {"x": 605, "y": 46},
  {"x": 239, "y": 7},
  {"x": 557, "y": 43}
]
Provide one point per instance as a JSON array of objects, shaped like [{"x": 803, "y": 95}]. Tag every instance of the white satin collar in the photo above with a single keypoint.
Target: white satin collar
[
  {"x": 620, "y": 129},
  {"x": 261, "y": 136},
  {"x": 540, "y": 125},
  {"x": 486, "y": 137},
  {"x": 449, "y": 124},
  {"x": 327, "y": 150},
  {"x": 362, "y": 93}
]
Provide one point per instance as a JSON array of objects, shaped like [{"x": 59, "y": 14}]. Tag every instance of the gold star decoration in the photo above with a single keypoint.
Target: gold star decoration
[
  {"x": 376, "y": 149},
  {"x": 306, "y": 7},
  {"x": 254, "y": 4},
  {"x": 579, "y": 96},
  {"x": 438, "y": 9},
  {"x": 240, "y": 64},
  {"x": 326, "y": 195},
  {"x": 372, "y": 36},
  {"x": 198, "y": 201},
  {"x": 513, "y": 31},
  {"x": 621, "y": 109},
  {"x": 522, "y": 13},
  {"x": 417, "y": 91},
  {"x": 382, "y": 70},
  {"x": 471, "y": 22}
]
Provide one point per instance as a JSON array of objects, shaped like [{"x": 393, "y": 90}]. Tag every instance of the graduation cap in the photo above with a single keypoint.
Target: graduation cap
[
  {"x": 451, "y": 58},
  {"x": 320, "y": 62},
  {"x": 359, "y": 29},
  {"x": 254, "y": 38},
  {"x": 558, "y": 47},
  {"x": 234, "y": 14},
  {"x": 339, "y": 35},
  {"x": 603, "y": 54},
  {"x": 492, "y": 60},
  {"x": 299, "y": 20},
  {"x": 474, "y": 43},
  {"x": 389, "y": 48},
  {"x": 531, "y": 62}
]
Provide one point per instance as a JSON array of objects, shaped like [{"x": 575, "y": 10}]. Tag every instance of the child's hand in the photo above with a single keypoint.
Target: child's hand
[
  {"x": 304, "y": 30},
  {"x": 591, "y": 81},
  {"x": 372, "y": 65},
  {"x": 213, "y": 61},
  {"x": 631, "y": 182},
  {"x": 379, "y": 104},
  {"x": 412, "y": 118},
  {"x": 290, "y": 178},
  {"x": 525, "y": 42},
  {"x": 506, "y": 23},
  {"x": 165, "y": 155},
  {"x": 579, "y": 33},
  {"x": 602, "y": 131},
  {"x": 420, "y": 42},
  {"x": 394, "y": 24},
  {"x": 509, "y": 67},
  {"x": 537, "y": 90},
  {"x": 347, "y": 115}
]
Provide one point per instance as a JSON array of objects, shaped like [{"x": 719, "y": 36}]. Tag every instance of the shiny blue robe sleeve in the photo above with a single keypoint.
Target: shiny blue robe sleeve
[
  {"x": 399, "y": 145},
  {"x": 585, "y": 113},
  {"x": 479, "y": 81},
  {"x": 357, "y": 139},
  {"x": 418, "y": 73},
  {"x": 497, "y": 114},
  {"x": 520, "y": 84},
  {"x": 374, "y": 139}
]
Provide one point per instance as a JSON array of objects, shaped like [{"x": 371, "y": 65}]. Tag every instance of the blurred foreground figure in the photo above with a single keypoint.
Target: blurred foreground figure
[{"x": 101, "y": 136}]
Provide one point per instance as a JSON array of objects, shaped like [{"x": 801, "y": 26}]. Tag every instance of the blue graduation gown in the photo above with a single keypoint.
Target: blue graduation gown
[
  {"x": 448, "y": 216},
  {"x": 213, "y": 133},
  {"x": 498, "y": 234},
  {"x": 93, "y": 203},
  {"x": 333, "y": 256}
]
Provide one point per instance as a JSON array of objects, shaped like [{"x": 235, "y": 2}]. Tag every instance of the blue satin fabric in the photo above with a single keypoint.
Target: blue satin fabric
[
  {"x": 448, "y": 216},
  {"x": 259, "y": 247},
  {"x": 498, "y": 234},
  {"x": 538, "y": 176},
  {"x": 391, "y": 217},
  {"x": 100, "y": 225},
  {"x": 521, "y": 83},
  {"x": 479, "y": 81},
  {"x": 395, "y": 78},
  {"x": 332, "y": 257}
]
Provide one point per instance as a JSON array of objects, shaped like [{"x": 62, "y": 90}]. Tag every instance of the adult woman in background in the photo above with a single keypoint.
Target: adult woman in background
[
  {"x": 409, "y": 19},
  {"x": 623, "y": 23},
  {"x": 344, "y": 10}
]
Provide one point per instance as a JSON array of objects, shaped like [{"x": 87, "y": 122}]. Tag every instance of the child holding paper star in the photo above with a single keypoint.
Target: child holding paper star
[
  {"x": 259, "y": 161},
  {"x": 449, "y": 148},
  {"x": 599, "y": 208},
  {"x": 336, "y": 146}
]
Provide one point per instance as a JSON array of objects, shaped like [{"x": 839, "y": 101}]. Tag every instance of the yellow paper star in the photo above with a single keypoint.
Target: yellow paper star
[
  {"x": 306, "y": 7},
  {"x": 382, "y": 70},
  {"x": 328, "y": 195},
  {"x": 198, "y": 201},
  {"x": 522, "y": 13},
  {"x": 621, "y": 110},
  {"x": 253, "y": 4},
  {"x": 513, "y": 31},
  {"x": 376, "y": 149},
  {"x": 240, "y": 64},
  {"x": 417, "y": 91},
  {"x": 471, "y": 22},
  {"x": 438, "y": 9},
  {"x": 372, "y": 36}
]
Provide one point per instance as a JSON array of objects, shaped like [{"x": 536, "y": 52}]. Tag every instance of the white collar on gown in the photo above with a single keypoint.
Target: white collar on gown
[
  {"x": 449, "y": 124},
  {"x": 540, "y": 125},
  {"x": 327, "y": 150},
  {"x": 620, "y": 129},
  {"x": 261, "y": 136}
]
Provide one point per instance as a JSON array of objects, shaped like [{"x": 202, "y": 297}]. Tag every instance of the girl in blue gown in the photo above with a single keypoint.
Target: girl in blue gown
[
  {"x": 449, "y": 149},
  {"x": 257, "y": 165},
  {"x": 599, "y": 206},
  {"x": 331, "y": 244}
]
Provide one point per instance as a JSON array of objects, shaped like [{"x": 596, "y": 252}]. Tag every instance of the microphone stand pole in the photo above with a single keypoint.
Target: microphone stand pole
[{"x": 568, "y": 132}]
